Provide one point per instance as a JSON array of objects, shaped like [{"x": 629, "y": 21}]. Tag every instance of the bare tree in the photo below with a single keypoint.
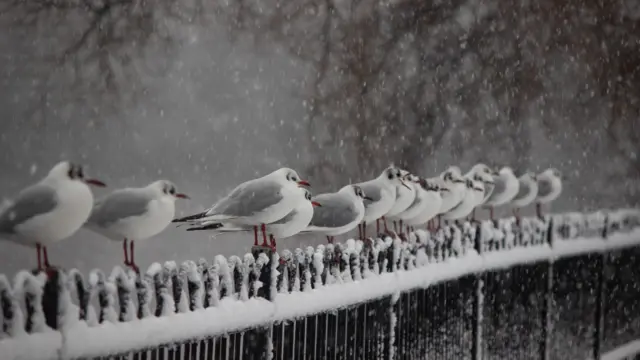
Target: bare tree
[{"x": 97, "y": 49}]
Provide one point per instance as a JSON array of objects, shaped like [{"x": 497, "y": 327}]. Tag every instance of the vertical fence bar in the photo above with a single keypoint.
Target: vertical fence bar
[
  {"x": 547, "y": 304},
  {"x": 478, "y": 305},
  {"x": 598, "y": 332}
]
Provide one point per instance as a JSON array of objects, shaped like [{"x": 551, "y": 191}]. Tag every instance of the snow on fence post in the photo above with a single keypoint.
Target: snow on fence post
[{"x": 478, "y": 301}]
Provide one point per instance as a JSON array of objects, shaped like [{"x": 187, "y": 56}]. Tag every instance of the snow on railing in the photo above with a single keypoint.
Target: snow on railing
[{"x": 35, "y": 304}]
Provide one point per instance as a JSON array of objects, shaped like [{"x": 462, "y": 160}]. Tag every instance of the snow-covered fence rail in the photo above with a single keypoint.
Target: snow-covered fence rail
[{"x": 531, "y": 289}]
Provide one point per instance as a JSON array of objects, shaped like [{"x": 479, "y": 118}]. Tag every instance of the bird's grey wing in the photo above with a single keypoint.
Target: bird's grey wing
[
  {"x": 498, "y": 189},
  {"x": 525, "y": 188},
  {"x": 33, "y": 201},
  {"x": 335, "y": 211},
  {"x": 372, "y": 191},
  {"x": 119, "y": 206},
  {"x": 544, "y": 187},
  {"x": 287, "y": 218},
  {"x": 249, "y": 199}
]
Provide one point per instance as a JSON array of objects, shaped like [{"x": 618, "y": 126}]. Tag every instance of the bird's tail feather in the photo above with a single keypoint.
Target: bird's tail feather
[{"x": 190, "y": 217}]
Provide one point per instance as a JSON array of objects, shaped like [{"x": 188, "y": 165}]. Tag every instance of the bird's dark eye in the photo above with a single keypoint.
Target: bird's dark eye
[
  {"x": 390, "y": 176},
  {"x": 172, "y": 191},
  {"x": 80, "y": 172}
]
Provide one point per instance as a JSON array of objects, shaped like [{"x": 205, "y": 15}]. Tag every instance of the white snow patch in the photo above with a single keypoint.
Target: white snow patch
[
  {"x": 625, "y": 351},
  {"x": 232, "y": 315}
]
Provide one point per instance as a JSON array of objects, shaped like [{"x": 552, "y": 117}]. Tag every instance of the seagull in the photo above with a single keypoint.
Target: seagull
[
  {"x": 482, "y": 173},
  {"x": 340, "y": 212},
  {"x": 506, "y": 188},
  {"x": 382, "y": 192},
  {"x": 429, "y": 202},
  {"x": 527, "y": 192},
  {"x": 472, "y": 197},
  {"x": 475, "y": 180},
  {"x": 255, "y": 203},
  {"x": 405, "y": 196},
  {"x": 135, "y": 214},
  {"x": 452, "y": 180},
  {"x": 549, "y": 188},
  {"x": 290, "y": 225},
  {"x": 50, "y": 210}
]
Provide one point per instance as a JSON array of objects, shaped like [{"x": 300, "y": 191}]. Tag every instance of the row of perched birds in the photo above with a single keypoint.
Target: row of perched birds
[{"x": 278, "y": 205}]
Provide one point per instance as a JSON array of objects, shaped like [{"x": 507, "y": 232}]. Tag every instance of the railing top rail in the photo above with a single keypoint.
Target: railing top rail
[{"x": 231, "y": 293}]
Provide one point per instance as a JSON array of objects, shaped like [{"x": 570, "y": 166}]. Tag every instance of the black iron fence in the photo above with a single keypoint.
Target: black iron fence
[{"x": 557, "y": 288}]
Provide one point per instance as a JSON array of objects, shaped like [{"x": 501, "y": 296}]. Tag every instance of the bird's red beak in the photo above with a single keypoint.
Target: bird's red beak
[
  {"x": 315, "y": 203},
  {"x": 303, "y": 183},
  {"x": 182, "y": 196},
  {"x": 95, "y": 182}
]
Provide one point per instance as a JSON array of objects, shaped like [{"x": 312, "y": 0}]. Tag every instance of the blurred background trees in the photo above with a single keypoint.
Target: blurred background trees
[{"x": 210, "y": 93}]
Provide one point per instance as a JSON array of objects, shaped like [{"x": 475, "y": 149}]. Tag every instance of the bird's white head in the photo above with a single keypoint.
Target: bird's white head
[
  {"x": 393, "y": 177},
  {"x": 290, "y": 175},
  {"x": 307, "y": 196},
  {"x": 482, "y": 172},
  {"x": 453, "y": 175},
  {"x": 506, "y": 171},
  {"x": 67, "y": 171},
  {"x": 166, "y": 188},
  {"x": 552, "y": 173}
]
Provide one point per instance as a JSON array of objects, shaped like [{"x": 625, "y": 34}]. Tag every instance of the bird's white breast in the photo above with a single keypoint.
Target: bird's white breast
[
  {"x": 74, "y": 203},
  {"x": 302, "y": 218},
  {"x": 160, "y": 212}
]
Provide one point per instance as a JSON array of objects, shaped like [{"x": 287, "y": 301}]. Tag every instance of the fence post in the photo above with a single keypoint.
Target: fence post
[
  {"x": 547, "y": 304},
  {"x": 51, "y": 298},
  {"x": 478, "y": 302},
  {"x": 259, "y": 342},
  {"x": 601, "y": 265}
]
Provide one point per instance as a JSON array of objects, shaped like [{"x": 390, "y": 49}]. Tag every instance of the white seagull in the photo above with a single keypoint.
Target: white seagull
[
  {"x": 482, "y": 173},
  {"x": 429, "y": 202},
  {"x": 527, "y": 192},
  {"x": 382, "y": 192},
  {"x": 475, "y": 179},
  {"x": 135, "y": 214},
  {"x": 293, "y": 223},
  {"x": 405, "y": 196},
  {"x": 506, "y": 188},
  {"x": 340, "y": 212},
  {"x": 451, "y": 180},
  {"x": 255, "y": 203},
  {"x": 549, "y": 188},
  {"x": 49, "y": 211}
]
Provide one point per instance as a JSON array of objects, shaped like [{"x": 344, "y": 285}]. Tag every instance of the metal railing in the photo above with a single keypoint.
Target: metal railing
[{"x": 559, "y": 287}]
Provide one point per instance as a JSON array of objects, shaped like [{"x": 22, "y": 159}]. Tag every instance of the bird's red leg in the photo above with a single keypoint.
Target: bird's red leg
[
  {"x": 360, "y": 232},
  {"x": 377, "y": 226},
  {"x": 329, "y": 239},
  {"x": 364, "y": 230},
  {"x": 46, "y": 257},
  {"x": 473, "y": 214},
  {"x": 273, "y": 241},
  {"x": 264, "y": 235},
  {"x": 126, "y": 256},
  {"x": 400, "y": 223},
  {"x": 38, "y": 248},
  {"x": 384, "y": 222},
  {"x": 395, "y": 226},
  {"x": 133, "y": 262},
  {"x": 255, "y": 236},
  {"x": 539, "y": 210}
]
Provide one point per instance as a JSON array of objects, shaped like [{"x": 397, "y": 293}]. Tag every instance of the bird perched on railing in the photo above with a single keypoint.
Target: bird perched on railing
[
  {"x": 527, "y": 192},
  {"x": 49, "y": 211},
  {"x": 382, "y": 192},
  {"x": 505, "y": 189},
  {"x": 452, "y": 180},
  {"x": 549, "y": 188},
  {"x": 255, "y": 203},
  {"x": 340, "y": 213},
  {"x": 405, "y": 195},
  {"x": 474, "y": 194},
  {"x": 428, "y": 203},
  {"x": 293, "y": 223},
  {"x": 134, "y": 214}
]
